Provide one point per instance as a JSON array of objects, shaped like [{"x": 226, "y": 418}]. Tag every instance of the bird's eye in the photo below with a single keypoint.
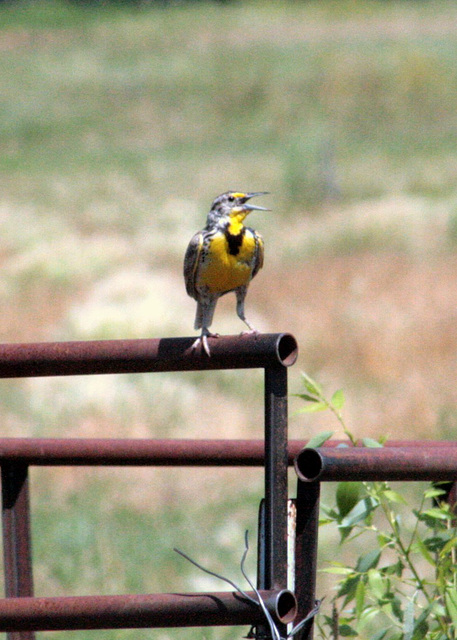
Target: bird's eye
[{"x": 231, "y": 199}]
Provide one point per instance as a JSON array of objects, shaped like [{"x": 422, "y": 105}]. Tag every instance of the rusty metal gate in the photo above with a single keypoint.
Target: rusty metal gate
[{"x": 21, "y": 614}]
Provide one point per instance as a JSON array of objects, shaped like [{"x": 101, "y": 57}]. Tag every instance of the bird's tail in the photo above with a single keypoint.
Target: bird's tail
[{"x": 205, "y": 313}]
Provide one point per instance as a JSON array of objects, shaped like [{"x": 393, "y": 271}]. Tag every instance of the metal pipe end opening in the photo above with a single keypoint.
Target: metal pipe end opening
[
  {"x": 308, "y": 465},
  {"x": 285, "y": 606},
  {"x": 287, "y": 349}
]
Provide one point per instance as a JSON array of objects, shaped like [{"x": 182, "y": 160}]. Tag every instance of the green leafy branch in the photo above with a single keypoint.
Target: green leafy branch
[
  {"x": 404, "y": 584},
  {"x": 317, "y": 401}
]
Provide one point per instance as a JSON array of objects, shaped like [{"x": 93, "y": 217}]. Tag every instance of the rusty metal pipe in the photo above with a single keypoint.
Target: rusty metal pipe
[
  {"x": 275, "y": 478},
  {"x": 306, "y": 547},
  {"x": 17, "y": 546},
  {"x": 359, "y": 463},
  {"x": 132, "y": 452},
  {"x": 139, "y": 356},
  {"x": 17, "y": 554},
  {"x": 139, "y": 611},
  {"x": 151, "y": 452}
]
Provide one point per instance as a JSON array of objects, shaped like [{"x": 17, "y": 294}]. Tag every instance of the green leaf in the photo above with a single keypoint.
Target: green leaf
[
  {"x": 361, "y": 511},
  {"x": 421, "y": 623},
  {"x": 347, "y": 587},
  {"x": 329, "y": 512},
  {"x": 346, "y": 631},
  {"x": 396, "y": 606},
  {"x": 421, "y": 628},
  {"x": 368, "y": 561},
  {"x": 376, "y": 583},
  {"x": 338, "y": 399},
  {"x": 344, "y": 533},
  {"x": 436, "y": 514},
  {"x": 311, "y": 385},
  {"x": 385, "y": 539},
  {"x": 380, "y": 635},
  {"x": 314, "y": 407},
  {"x": 347, "y": 496},
  {"x": 368, "y": 614},
  {"x": 436, "y": 543},
  {"x": 394, "y": 569},
  {"x": 408, "y": 624},
  {"x": 438, "y": 609},
  {"x": 319, "y": 439},
  {"x": 371, "y": 443},
  {"x": 393, "y": 496},
  {"x": 345, "y": 571},
  {"x": 451, "y": 604},
  {"x": 450, "y": 544},
  {"x": 422, "y": 548},
  {"x": 305, "y": 396},
  {"x": 359, "y": 599},
  {"x": 434, "y": 492}
]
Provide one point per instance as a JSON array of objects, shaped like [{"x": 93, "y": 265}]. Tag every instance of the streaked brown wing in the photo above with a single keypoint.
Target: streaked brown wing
[
  {"x": 191, "y": 260},
  {"x": 259, "y": 253}
]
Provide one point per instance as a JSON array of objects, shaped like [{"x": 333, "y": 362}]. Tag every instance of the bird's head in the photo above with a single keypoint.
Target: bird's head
[{"x": 233, "y": 206}]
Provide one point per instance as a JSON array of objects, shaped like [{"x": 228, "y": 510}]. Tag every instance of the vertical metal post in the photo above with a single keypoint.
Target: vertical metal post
[
  {"x": 451, "y": 494},
  {"x": 17, "y": 554},
  {"x": 307, "y": 526},
  {"x": 276, "y": 467}
]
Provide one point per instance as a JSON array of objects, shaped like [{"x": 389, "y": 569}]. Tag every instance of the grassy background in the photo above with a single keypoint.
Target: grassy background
[{"x": 118, "y": 126}]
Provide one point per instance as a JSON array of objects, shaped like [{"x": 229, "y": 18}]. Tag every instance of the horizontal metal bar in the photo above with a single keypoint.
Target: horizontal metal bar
[
  {"x": 360, "y": 463},
  {"x": 139, "y": 611},
  {"x": 132, "y": 452},
  {"x": 151, "y": 452},
  {"x": 138, "y": 356}
]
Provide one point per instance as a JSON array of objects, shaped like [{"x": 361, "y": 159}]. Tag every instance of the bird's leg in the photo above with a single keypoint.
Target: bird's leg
[
  {"x": 240, "y": 296},
  {"x": 203, "y": 319}
]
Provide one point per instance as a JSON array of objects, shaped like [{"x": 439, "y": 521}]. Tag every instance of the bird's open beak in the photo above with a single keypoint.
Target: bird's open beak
[{"x": 252, "y": 207}]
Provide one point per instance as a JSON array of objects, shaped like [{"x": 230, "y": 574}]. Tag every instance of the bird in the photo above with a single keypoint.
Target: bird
[{"x": 223, "y": 257}]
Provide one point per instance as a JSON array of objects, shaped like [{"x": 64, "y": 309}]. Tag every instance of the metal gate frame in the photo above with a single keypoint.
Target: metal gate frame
[{"x": 20, "y": 612}]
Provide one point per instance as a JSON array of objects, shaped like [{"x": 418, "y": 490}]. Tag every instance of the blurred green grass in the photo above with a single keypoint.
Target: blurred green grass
[
  {"x": 99, "y": 537},
  {"x": 118, "y": 126},
  {"x": 312, "y": 103}
]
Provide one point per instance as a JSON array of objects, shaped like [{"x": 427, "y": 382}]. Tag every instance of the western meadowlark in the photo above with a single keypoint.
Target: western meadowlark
[{"x": 223, "y": 257}]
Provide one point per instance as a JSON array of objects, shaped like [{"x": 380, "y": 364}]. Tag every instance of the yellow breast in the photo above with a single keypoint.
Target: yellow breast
[{"x": 221, "y": 271}]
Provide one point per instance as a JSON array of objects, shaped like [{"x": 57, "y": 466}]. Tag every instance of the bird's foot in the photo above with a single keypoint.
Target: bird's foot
[
  {"x": 250, "y": 332},
  {"x": 202, "y": 341}
]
